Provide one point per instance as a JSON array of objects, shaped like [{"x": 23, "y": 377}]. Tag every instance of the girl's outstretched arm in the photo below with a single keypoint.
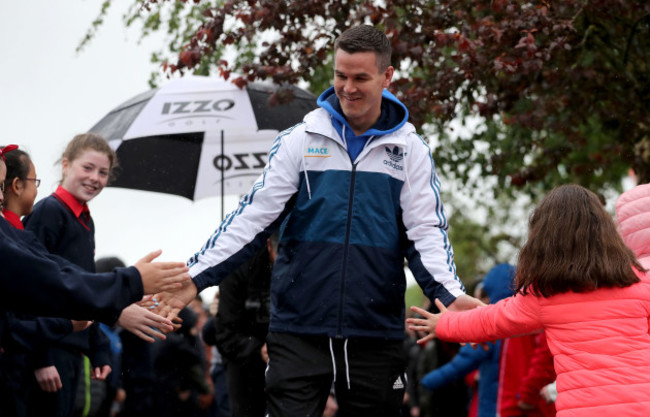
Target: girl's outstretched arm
[
  {"x": 512, "y": 316},
  {"x": 428, "y": 323}
]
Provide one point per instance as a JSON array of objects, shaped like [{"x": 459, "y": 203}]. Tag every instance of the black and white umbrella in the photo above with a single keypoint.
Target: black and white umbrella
[{"x": 198, "y": 136}]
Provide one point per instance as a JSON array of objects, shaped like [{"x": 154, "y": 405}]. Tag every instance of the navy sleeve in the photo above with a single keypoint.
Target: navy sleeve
[
  {"x": 31, "y": 334},
  {"x": 31, "y": 282}
]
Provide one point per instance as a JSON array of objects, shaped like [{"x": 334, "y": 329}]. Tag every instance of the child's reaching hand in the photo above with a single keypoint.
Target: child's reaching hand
[{"x": 428, "y": 323}]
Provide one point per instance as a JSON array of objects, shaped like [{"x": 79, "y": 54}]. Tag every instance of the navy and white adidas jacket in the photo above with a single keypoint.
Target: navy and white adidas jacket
[{"x": 347, "y": 226}]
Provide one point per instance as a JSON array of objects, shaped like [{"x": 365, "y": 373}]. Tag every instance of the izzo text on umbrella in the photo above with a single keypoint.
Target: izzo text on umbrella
[
  {"x": 242, "y": 161},
  {"x": 197, "y": 106}
]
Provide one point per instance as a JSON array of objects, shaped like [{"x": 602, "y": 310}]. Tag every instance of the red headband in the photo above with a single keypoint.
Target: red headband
[{"x": 6, "y": 149}]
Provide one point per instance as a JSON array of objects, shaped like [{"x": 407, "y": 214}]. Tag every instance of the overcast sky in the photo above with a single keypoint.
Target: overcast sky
[{"x": 49, "y": 93}]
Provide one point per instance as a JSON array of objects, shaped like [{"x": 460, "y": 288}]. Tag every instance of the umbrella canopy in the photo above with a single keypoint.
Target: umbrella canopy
[{"x": 198, "y": 136}]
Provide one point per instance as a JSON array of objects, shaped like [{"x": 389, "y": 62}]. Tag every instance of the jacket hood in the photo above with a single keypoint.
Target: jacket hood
[
  {"x": 633, "y": 217},
  {"x": 393, "y": 113},
  {"x": 498, "y": 283}
]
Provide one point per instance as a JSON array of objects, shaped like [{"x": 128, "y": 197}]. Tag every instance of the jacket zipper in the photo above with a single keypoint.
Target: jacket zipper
[{"x": 346, "y": 248}]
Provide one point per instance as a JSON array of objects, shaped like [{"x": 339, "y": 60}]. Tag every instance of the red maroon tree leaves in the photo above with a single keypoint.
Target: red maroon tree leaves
[{"x": 560, "y": 89}]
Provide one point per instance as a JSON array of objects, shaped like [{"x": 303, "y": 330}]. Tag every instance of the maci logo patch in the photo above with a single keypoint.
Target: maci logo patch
[{"x": 314, "y": 152}]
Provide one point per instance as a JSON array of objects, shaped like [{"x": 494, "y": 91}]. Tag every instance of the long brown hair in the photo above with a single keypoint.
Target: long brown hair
[{"x": 573, "y": 245}]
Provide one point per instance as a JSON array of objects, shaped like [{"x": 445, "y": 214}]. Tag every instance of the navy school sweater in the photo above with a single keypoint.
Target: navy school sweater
[
  {"x": 37, "y": 282},
  {"x": 57, "y": 227},
  {"x": 28, "y": 332}
]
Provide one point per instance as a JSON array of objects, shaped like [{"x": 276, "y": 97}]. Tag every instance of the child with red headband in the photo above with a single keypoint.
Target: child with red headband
[
  {"x": 62, "y": 278},
  {"x": 27, "y": 332},
  {"x": 34, "y": 281},
  {"x": 20, "y": 189}
]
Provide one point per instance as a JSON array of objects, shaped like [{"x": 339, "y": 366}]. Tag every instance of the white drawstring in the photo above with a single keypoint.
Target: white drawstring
[
  {"x": 347, "y": 366},
  {"x": 406, "y": 172},
  {"x": 333, "y": 360},
  {"x": 304, "y": 168},
  {"x": 345, "y": 354}
]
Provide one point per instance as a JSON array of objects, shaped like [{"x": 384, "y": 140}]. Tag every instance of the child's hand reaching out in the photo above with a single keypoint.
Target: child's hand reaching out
[{"x": 428, "y": 323}]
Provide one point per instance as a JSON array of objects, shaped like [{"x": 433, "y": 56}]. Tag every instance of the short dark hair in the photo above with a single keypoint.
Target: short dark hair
[
  {"x": 17, "y": 162},
  {"x": 573, "y": 245},
  {"x": 108, "y": 264},
  {"x": 366, "y": 38}
]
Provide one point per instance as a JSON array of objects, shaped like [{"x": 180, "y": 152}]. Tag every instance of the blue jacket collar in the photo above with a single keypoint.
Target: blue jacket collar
[{"x": 393, "y": 113}]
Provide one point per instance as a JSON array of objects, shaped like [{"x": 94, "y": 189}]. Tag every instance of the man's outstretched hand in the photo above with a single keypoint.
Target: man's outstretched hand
[
  {"x": 173, "y": 301},
  {"x": 161, "y": 276},
  {"x": 465, "y": 302}
]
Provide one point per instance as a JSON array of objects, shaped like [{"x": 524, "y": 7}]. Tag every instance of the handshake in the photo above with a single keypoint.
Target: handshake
[{"x": 169, "y": 288}]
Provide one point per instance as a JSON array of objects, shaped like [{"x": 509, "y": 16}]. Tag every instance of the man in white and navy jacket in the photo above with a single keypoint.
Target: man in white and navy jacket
[{"x": 355, "y": 191}]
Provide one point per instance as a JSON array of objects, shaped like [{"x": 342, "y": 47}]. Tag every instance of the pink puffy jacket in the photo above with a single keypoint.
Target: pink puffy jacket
[
  {"x": 599, "y": 340},
  {"x": 633, "y": 216}
]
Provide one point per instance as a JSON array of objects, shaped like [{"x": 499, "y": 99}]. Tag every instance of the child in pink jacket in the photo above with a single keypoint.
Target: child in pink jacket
[{"x": 578, "y": 282}]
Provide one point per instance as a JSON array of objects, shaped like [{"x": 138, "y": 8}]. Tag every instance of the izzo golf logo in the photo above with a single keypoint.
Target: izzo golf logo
[
  {"x": 197, "y": 106},
  {"x": 240, "y": 161}
]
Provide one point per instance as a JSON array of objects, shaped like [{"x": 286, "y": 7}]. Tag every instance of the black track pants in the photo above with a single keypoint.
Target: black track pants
[{"x": 369, "y": 382}]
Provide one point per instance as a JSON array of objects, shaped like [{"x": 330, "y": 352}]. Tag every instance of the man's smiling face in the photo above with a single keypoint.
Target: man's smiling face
[{"x": 359, "y": 84}]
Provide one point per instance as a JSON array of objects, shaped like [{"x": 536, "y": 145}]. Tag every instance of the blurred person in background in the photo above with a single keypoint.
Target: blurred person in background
[
  {"x": 220, "y": 406},
  {"x": 241, "y": 328},
  {"x": 497, "y": 285},
  {"x": 180, "y": 371}
]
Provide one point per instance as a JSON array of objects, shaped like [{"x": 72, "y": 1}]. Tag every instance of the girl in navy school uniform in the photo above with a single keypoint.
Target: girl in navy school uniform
[
  {"x": 66, "y": 290},
  {"x": 21, "y": 187},
  {"x": 26, "y": 333},
  {"x": 62, "y": 222},
  {"x": 30, "y": 333}
]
